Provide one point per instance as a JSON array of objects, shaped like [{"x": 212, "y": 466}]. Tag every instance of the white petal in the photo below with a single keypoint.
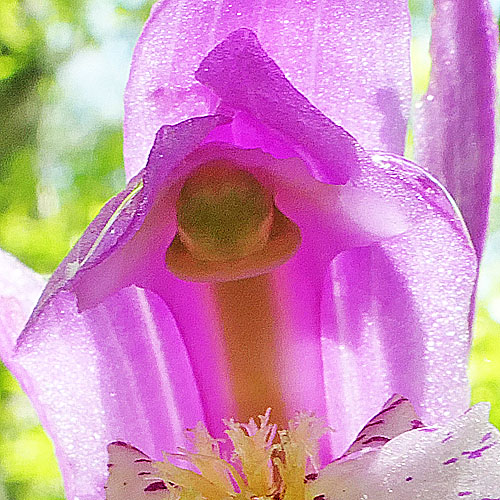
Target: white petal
[
  {"x": 131, "y": 475},
  {"x": 397, "y": 416}
]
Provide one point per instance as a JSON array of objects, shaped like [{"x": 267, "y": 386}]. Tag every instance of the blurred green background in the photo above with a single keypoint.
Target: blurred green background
[{"x": 63, "y": 68}]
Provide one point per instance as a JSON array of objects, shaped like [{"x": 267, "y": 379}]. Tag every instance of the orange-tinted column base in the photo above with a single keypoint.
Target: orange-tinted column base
[{"x": 246, "y": 312}]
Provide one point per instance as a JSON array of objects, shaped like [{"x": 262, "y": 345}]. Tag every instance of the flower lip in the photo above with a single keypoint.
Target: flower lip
[{"x": 455, "y": 459}]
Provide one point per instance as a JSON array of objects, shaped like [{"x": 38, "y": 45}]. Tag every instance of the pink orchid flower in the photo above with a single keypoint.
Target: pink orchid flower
[{"x": 349, "y": 274}]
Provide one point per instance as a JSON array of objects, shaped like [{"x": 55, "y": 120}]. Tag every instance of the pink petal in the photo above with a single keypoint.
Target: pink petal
[
  {"x": 102, "y": 375},
  {"x": 349, "y": 58},
  {"x": 247, "y": 79},
  {"x": 140, "y": 261},
  {"x": 419, "y": 283},
  {"x": 20, "y": 288},
  {"x": 111, "y": 353},
  {"x": 124, "y": 214},
  {"x": 395, "y": 315},
  {"x": 455, "y": 134}
]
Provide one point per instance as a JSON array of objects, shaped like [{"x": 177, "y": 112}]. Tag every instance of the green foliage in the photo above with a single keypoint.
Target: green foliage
[
  {"x": 55, "y": 175},
  {"x": 485, "y": 361},
  {"x": 28, "y": 466}
]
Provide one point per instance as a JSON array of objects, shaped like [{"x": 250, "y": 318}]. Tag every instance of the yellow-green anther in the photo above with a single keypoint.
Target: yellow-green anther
[{"x": 223, "y": 213}]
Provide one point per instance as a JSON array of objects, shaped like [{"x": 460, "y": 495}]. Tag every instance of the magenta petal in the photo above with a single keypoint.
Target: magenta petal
[
  {"x": 395, "y": 315},
  {"x": 102, "y": 375},
  {"x": 20, "y": 288},
  {"x": 349, "y": 58},
  {"x": 455, "y": 133},
  {"x": 118, "y": 370},
  {"x": 247, "y": 79}
]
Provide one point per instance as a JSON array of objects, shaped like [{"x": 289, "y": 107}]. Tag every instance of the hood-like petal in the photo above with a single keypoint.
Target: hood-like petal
[
  {"x": 273, "y": 112},
  {"x": 350, "y": 58},
  {"x": 455, "y": 133}
]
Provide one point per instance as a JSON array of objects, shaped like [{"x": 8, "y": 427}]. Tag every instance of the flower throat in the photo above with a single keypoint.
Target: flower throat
[{"x": 231, "y": 234}]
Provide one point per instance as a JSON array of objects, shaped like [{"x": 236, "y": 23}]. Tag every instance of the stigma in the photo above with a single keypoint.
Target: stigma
[
  {"x": 223, "y": 213},
  {"x": 228, "y": 227}
]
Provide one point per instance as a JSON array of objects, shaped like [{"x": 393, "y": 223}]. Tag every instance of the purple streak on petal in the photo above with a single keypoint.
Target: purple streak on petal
[
  {"x": 20, "y": 288},
  {"x": 395, "y": 315},
  {"x": 479, "y": 452},
  {"x": 156, "y": 486},
  {"x": 486, "y": 437},
  {"x": 118, "y": 371},
  {"x": 376, "y": 439},
  {"x": 397, "y": 416},
  {"x": 455, "y": 133},
  {"x": 447, "y": 438},
  {"x": 350, "y": 58},
  {"x": 417, "y": 424}
]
